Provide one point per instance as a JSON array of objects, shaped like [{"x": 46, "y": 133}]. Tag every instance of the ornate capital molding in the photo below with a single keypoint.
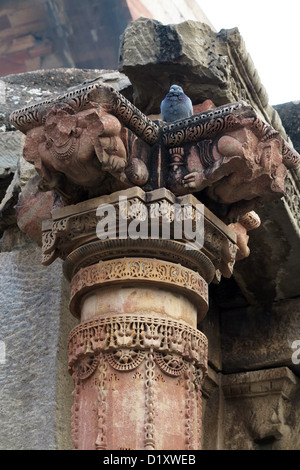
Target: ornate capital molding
[
  {"x": 144, "y": 271},
  {"x": 72, "y": 233}
]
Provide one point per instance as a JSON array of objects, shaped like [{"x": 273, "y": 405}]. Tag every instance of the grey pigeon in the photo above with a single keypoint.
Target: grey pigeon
[{"x": 176, "y": 105}]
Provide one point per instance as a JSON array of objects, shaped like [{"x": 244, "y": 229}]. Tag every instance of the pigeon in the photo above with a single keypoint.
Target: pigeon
[{"x": 176, "y": 105}]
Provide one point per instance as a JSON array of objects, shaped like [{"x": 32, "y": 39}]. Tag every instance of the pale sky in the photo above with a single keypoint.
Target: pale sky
[{"x": 270, "y": 29}]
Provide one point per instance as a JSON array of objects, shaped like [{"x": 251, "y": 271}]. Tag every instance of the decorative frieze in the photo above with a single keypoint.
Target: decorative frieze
[
  {"x": 137, "y": 333},
  {"x": 169, "y": 224}
]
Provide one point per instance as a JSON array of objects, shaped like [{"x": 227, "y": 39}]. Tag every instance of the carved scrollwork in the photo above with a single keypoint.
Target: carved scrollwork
[
  {"x": 140, "y": 270},
  {"x": 205, "y": 125}
]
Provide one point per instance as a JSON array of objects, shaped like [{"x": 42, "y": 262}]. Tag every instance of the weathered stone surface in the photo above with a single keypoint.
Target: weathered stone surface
[
  {"x": 205, "y": 63},
  {"x": 35, "y": 390},
  {"x": 210, "y": 326},
  {"x": 11, "y": 146},
  {"x": 290, "y": 116},
  {"x": 211, "y": 411},
  {"x": 32, "y": 208},
  {"x": 253, "y": 339},
  {"x": 7, "y": 211},
  {"x": 154, "y": 56},
  {"x": 261, "y": 410},
  {"x": 26, "y": 89},
  {"x": 19, "y": 178}
]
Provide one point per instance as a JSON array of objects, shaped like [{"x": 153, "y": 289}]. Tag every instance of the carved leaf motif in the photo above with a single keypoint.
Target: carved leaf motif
[{"x": 124, "y": 336}]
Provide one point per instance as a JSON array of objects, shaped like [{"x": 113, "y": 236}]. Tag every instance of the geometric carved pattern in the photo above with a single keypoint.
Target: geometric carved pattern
[
  {"x": 87, "y": 366},
  {"x": 171, "y": 364},
  {"x": 125, "y": 359}
]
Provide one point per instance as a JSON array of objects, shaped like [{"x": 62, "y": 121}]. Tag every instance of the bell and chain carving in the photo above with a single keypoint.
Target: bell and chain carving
[
  {"x": 136, "y": 333},
  {"x": 151, "y": 350}
]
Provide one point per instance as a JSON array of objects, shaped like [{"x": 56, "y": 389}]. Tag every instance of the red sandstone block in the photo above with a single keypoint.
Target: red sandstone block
[{"x": 205, "y": 106}]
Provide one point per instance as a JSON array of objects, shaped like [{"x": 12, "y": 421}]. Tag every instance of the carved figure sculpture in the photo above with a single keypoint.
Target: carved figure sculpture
[{"x": 93, "y": 141}]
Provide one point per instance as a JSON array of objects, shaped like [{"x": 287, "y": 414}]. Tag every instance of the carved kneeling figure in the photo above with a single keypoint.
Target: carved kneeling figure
[{"x": 82, "y": 147}]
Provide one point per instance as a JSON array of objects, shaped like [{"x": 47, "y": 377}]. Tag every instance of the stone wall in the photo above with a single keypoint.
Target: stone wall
[{"x": 35, "y": 392}]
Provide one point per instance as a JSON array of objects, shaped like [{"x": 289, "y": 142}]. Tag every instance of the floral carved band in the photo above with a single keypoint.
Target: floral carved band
[{"x": 158, "y": 272}]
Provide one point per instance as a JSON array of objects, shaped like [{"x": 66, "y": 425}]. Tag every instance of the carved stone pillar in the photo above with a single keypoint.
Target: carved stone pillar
[{"x": 137, "y": 358}]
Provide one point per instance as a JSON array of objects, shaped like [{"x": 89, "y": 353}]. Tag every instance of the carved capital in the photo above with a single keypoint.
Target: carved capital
[
  {"x": 185, "y": 231},
  {"x": 93, "y": 141}
]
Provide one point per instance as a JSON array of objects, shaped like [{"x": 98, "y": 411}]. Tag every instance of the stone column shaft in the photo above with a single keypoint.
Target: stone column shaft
[{"x": 137, "y": 358}]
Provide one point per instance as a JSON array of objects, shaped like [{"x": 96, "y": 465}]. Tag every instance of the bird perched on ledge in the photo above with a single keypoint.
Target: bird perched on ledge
[{"x": 176, "y": 105}]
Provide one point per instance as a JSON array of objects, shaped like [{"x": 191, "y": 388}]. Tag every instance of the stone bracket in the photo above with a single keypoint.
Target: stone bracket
[{"x": 257, "y": 407}]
